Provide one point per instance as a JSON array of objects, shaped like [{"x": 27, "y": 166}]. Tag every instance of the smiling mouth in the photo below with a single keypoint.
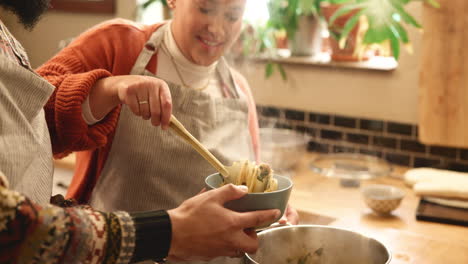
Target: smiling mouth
[{"x": 208, "y": 43}]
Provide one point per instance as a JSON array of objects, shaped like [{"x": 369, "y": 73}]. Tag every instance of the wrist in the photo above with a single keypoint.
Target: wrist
[
  {"x": 153, "y": 233},
  {"x": 103, "y": 97},
  {"x": 176, "y": 219}
]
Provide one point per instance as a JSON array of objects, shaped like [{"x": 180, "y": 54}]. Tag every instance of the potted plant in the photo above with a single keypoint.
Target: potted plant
[
  {"x": 347, "y": 48},
  {"x": 383, "y": 23},
  {"x": 299, "y": 20}
]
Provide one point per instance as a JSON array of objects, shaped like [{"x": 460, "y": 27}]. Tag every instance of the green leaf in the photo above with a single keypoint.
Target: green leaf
[
  {"x": 370, "y": 37},
  {"x": 337, "y": 2},
  {"x": 433, "y": 3},
  {"x": 394, "y": 32},
  {"x": 148, "y": 3},
  {"x": 292, "y": 8},
  {"x": 307, "y": 7},
  {"x": 317, "y": 6},
  {"x": 335, "y": 35},
  {"x": 350, "y": 24},
  {"x": 269, "y": 70},
  {"x": 402, "y": 32},
  {"x": 403, "y": 2},
  {"x": 283, "y": 72},
  {"x": 395, "y": 44},
  {"x": 377, "y": 34},
  {"x": 343, "y": 11},
  {"x": 373, "y": 36},
  {"x": 145, "y": 5}
]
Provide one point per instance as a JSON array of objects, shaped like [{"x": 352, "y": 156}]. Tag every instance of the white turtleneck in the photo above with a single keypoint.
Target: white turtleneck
[{"x": 196, "y": 76}]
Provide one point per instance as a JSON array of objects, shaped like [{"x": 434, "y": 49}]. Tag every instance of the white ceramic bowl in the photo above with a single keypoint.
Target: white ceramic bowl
[{"x": 382, "y": 199}]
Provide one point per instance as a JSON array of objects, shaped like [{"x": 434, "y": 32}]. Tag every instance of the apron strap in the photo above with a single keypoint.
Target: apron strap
[
  {"x": 148, "y": 51},
  {"x": 227, "y": 81}
]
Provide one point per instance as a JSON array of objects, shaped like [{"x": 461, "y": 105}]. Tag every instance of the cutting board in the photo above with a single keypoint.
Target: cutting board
[
  {"x": 428, "y": 211},
  {"x": 443, "y": 83}
]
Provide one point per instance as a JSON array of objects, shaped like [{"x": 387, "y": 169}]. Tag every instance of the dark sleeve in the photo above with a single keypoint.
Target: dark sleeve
[{"x": 153, "y": 232}]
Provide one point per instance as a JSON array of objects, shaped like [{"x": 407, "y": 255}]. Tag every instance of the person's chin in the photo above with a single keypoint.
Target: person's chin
[
  {"x": 205, "y": 59},
  {"x": 204, "y": 62}
]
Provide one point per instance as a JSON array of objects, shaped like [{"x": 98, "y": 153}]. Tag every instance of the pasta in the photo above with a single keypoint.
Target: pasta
[{"x": 257, "y": 178}]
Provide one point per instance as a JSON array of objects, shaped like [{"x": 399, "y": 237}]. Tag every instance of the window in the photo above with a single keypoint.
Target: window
[{"x": 256, "y": 12}]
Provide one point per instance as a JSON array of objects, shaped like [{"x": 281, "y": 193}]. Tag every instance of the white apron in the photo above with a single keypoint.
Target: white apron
[{"x": 151, "y": 169}]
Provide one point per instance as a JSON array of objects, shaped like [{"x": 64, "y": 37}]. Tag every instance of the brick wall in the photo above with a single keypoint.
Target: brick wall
[{"x": 396, "y": 142}]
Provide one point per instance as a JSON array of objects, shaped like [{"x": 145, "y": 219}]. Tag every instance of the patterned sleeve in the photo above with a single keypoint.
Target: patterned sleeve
[{"x": 30, "y": 233}]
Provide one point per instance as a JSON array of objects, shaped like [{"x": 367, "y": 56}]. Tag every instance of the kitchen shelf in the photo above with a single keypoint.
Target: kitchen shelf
[{"x": 377, "y": 63}]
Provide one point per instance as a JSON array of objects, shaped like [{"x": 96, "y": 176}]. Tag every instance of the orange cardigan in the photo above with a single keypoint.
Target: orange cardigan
[{"x": 108, "y": 49}]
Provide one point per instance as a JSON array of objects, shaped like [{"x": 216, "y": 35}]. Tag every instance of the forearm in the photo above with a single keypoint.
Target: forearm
[
  {"x": 68, "y": 131},
  {"x": 103, "y": 97}
]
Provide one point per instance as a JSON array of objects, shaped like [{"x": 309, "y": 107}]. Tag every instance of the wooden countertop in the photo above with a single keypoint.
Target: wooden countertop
[
  {"x": 411, "y": 241},
  {"x": 66, "y": 163}
]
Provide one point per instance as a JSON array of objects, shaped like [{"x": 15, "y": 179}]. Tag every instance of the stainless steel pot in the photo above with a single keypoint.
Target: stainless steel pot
[{"x": 315, "y": 244}]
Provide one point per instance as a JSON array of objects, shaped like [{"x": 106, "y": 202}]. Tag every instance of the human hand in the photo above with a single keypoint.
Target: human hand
[
  {"x": 290, "y": 216},
  {"x": 202, "y": 228},
  {"x": 146, "y": 96}
]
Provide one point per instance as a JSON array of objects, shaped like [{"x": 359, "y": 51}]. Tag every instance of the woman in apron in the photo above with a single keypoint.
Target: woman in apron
[{"x": 126, "y": 163}]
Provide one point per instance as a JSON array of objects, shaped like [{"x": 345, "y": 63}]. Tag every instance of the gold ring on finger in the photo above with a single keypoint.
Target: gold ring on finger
[{"x": 143, "y": 102}]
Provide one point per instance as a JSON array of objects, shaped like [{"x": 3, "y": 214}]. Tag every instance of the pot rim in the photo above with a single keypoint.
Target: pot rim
[{"x": 389, "y": 253}]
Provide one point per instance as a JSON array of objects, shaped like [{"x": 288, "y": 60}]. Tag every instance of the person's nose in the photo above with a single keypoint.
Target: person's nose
[{"x": 216, "y": 27}]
